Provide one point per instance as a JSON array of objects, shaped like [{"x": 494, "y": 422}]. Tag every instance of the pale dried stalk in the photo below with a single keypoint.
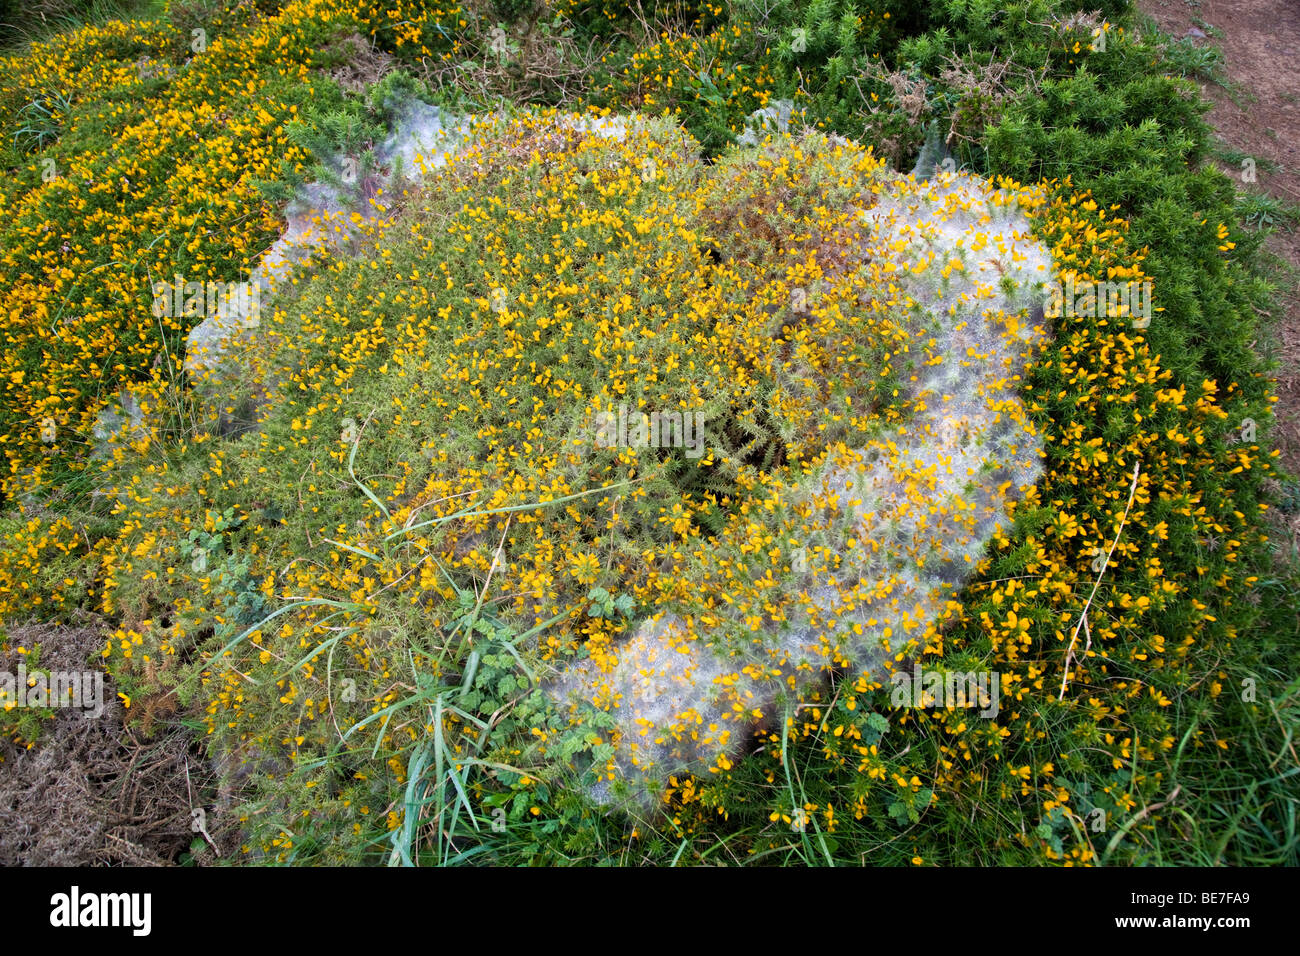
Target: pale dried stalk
[{"x": 1083, "y": 618}]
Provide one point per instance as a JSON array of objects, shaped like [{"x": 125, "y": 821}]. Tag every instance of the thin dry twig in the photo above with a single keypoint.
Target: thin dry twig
[{"x": 1083, "y": 618}]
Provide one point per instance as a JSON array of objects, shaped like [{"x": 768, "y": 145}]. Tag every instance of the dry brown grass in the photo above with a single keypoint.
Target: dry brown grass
[{"x": 107, "y": 790}]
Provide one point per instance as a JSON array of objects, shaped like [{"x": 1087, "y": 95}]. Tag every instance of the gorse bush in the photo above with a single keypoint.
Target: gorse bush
[
  {"x": 440, "y": 405},
  {"x": 148, "y": 179},
  {"x": 495, "y": 362},
  {"x": 362, "y": 587}
]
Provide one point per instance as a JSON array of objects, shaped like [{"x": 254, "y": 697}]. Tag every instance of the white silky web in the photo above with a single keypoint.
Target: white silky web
[{"x": 907, "y": 516}]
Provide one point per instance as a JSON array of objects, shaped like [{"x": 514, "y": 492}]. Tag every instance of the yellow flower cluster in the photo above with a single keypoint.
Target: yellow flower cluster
[
  {"x": 163, "y": 184},
  {"x": 685, "y": 67}
]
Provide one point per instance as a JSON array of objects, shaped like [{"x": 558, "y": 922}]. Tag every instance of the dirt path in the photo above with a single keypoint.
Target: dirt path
[{"x": 1257, "y": 113}]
